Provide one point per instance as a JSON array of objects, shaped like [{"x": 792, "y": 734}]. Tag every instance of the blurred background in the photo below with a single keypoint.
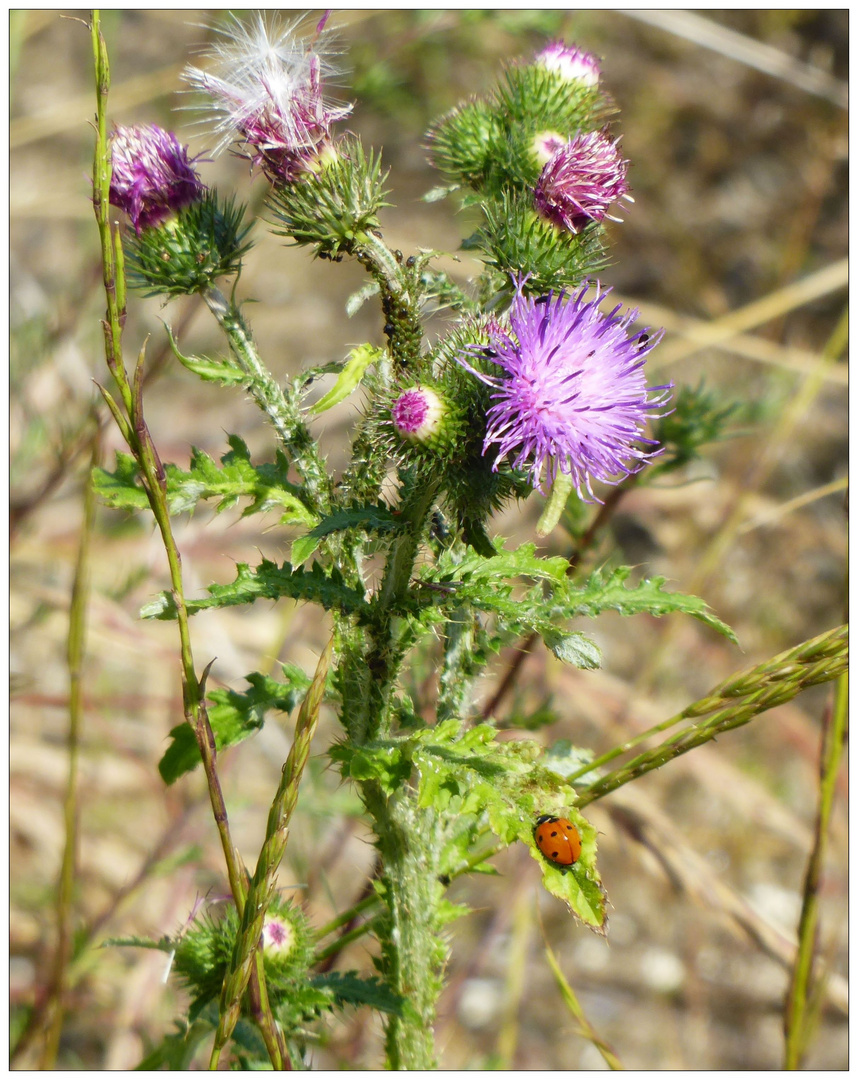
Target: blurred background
[{"x": 735, "y": 125}]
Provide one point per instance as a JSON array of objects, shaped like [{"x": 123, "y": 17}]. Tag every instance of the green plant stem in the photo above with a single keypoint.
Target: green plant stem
[
  {"x": 130, "y": 420},
  {"x": 372, "y": 665},
  {"x": 798, "y": 1014},
  {"x": 400, "y": 297},
  {"x": 357, "y": 932},
  {"x": 264, "y": 881},
  {"x": 345, "y": 918},
  {"x": 734, "y": 703},
  {"x": 284, "y": 412},
  {"x": 370, "y": 903},
  {"x": 409, "y": 840},
  {"x": 75, "y": 652}
]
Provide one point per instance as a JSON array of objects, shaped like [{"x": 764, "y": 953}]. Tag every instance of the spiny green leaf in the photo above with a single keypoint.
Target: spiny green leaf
[
  {"x": 371, "y": 518},
  {"x": 236, "y": 477},
  {"x": 349, "y": 988},
  {"x": 233, "y": 718},
  {"x": 465, "y": 772},
  {"x": 121, "y": 489},
  {"x": 267, "y": 485},
  {"x": 521, "y": 562},
  {"x": 268, "y": 581},
  {"x": 608, "y": 592},
  {"x": 385, "y": 762}
]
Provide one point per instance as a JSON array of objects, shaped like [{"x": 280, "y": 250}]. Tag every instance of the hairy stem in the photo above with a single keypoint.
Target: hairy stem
[
  {"x": 282, "y": 410},
  {"x": 412, "y": 952}
]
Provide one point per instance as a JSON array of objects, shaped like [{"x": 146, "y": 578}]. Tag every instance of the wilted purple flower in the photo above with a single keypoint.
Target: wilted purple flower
[
  {"x": 266, "y": 89},
  {"x": 574, "y": 397},
  {"x": 570, "y": 62},
  {"x": 418, "y": 414},
  {"x": 581, "y": 180},
  {"x": 152, "y": 176}
]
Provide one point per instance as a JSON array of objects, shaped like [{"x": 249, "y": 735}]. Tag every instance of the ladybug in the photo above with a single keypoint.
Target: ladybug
[{"x": 558, "y": 840}]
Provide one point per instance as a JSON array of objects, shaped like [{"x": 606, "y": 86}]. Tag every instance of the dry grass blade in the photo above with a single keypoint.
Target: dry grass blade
[
  {"x": 701, "y": 335},
  {"x": 745, "y": 50},
  {"x": 830, "y": 279},
  {"x": 586, "y": 1029},
  {"x": 778, "y": 512}
]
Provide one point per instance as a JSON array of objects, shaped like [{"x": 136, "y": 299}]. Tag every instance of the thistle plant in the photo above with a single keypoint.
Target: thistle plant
[{"x": 532, "y": 387}]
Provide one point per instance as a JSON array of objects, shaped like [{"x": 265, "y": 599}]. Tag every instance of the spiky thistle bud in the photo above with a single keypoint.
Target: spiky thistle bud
[
  {"x": 205, "y": 950},
  {"x": 571, "y": 63},
  {"x": 423, "y": 417}
]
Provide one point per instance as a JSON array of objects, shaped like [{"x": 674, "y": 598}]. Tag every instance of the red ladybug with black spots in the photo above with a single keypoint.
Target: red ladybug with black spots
[{"x": 558, "y": 840}]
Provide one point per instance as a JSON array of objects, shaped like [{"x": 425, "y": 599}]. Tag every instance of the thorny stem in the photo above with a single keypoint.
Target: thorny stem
[
  {"x": 798, "y": 1017},
  {"x": 399, "y": 297},
  {"x": 284, "y": 413}
]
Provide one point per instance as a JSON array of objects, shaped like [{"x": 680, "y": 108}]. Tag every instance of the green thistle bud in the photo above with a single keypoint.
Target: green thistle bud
[
  {"x": 333, "y": 203},
  {"x": 461, "y": 144},
  {"x": 189, "y": 252},
  {"x": 544, "y": 144},
  {"x": 204, "y": 953}
]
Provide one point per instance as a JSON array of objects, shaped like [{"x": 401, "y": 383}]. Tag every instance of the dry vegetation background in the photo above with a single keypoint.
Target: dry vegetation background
[{"x": 736, "y": 244}]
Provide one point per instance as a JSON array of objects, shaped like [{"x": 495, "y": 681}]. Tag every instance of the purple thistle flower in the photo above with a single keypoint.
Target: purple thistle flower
[
  {"x": 573, "y": 398},
  {"x": 571, "y": 63},
  {"x": 152, "y": 176},
  {"x": 580, "y": 181},
  {"x": 266, "y": 91}
]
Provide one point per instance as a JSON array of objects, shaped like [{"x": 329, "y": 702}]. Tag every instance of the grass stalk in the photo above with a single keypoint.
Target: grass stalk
[
  {"x": 799, "y": 1014},
  {"x": 76, "y": 651},
  {"x": 585, "y": 1029},
  {"x": 263, "y": 883},
  {"x": 131, "y": 422},
  {"x": 734, "y": 703}
]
